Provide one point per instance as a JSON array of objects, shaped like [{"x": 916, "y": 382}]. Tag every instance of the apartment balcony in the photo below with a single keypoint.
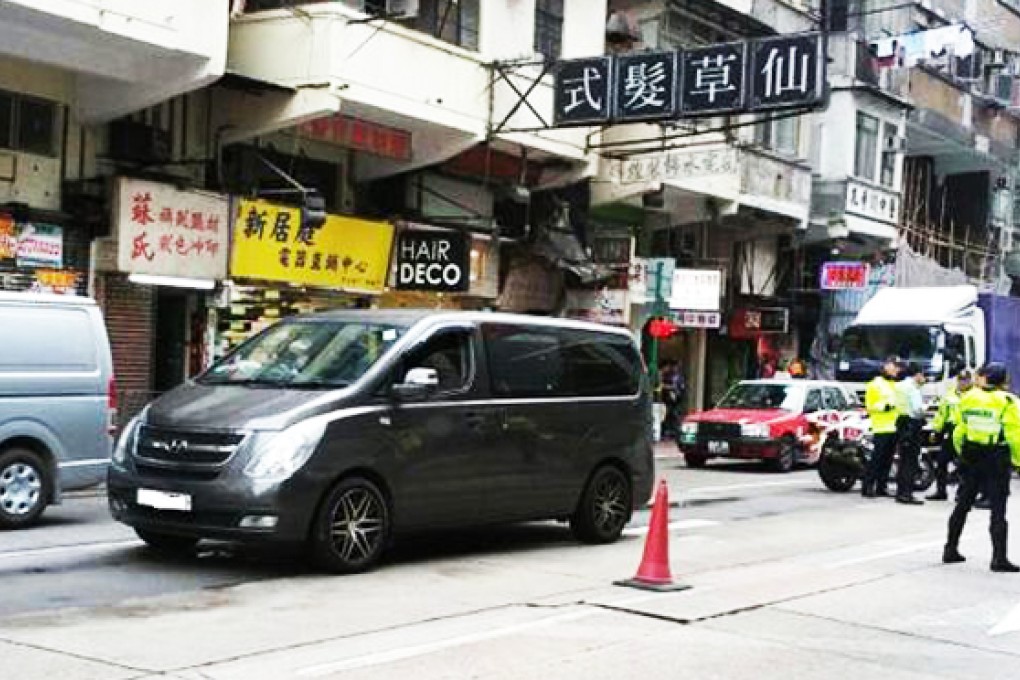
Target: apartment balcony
[
  {"x": 852, "y": 66},
  {"x": 126, "y": 54},
  {"x": 447, "y": 96}
]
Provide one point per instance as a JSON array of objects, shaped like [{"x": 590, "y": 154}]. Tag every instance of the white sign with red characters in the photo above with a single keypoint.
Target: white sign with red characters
[{"x": 166, "y": 231}]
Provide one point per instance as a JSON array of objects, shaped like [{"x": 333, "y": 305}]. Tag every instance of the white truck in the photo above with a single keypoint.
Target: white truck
[{"x": 942, "y": 329}]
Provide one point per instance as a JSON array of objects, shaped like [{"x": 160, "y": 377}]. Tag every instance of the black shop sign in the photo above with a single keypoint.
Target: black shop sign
[{"x": 433, "y": 261}]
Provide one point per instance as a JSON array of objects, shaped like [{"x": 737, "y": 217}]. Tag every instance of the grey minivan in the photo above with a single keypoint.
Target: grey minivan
[
  {"x": 341, "y": 429},
  {"x": 57, "y": 401}
]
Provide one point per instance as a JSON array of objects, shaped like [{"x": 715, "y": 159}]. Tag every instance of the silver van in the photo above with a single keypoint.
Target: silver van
[
  {"x": 342, "y": 429},
  {"x": 57, "y": 401}
]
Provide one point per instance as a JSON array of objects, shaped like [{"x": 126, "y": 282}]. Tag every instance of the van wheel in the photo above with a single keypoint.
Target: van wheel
[
  {"x": 352, "y": 527},
  {"x": 604, "y": 508},
  {"x": 168, "y": 544},
  {"x": 25, "y": 488}
]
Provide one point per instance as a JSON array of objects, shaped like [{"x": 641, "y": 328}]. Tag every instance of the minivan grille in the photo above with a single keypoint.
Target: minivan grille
[
  {"x": 720, "y": 430},
  {"x": 176, "y": 449}
]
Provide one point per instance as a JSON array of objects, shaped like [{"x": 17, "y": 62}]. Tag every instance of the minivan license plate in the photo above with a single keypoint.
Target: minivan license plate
[
  {"x": 718, "y": 447},
  {"x": 164, "y": 500}
]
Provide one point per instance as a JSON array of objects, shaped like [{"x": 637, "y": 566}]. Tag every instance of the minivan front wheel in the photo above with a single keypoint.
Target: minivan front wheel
[
  {"x": 352, "y": 527},
  {"x": 25, "y": 488},
  {"x": 604, "y": 508}
]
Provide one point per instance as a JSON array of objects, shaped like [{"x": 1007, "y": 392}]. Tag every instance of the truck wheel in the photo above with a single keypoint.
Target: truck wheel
[
  {"x": 25, "y": 488},
  {"x": 787, "y": 456},
  {"x": 352, "y": 528},
  {"x": 604, "y": 508},
  {"x": 695, "y": 461}
]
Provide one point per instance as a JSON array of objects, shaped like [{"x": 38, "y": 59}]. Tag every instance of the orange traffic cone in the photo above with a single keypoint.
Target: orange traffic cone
[{"x": 653, "y": 573}]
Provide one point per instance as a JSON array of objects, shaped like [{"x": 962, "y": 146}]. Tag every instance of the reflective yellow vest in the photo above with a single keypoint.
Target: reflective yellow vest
[
  {"x": 949, "y": 409},
  {"x": 989, "y": 418},
  {"x": 880, "y": 401}
]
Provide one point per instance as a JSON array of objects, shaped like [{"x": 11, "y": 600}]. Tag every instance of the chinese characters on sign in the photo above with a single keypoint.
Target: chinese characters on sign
[
  {"x": 645, "y": 85},
  {"x": 755, "y": 321},
  {"x": 582, "y": 91},
  {"x": 872, "y": 202},
  {"x": 360, "y": 135},
  {"x": 689, "y": 319},
  {"x": 678, "y": 165},
  {"x": 164, "y": 231},
  {"x": 696, "y": 290},
  {"x": 756, "y": 75},
  {"x": 844, "y": 276},
  {"x": 786, "y": 71},
  {"x": 8, "y": 238},
  {"x": 433, "y": 260},
  {"x": 272, "y": 244},
  {"x": 40, "y": 245},
  {"x": 713, "y": 78}
]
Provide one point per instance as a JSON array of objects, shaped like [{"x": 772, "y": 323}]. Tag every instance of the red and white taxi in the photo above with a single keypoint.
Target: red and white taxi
[{"x": 768, "y": 420}]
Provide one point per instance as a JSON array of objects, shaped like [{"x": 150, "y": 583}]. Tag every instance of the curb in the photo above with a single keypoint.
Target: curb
[{"x": 91, "y": 492}]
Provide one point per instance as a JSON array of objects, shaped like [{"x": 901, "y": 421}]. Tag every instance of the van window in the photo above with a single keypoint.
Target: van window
[
  {"x": 560, "y": 362},
  {"x": 599, "y": 365},
  {"x": 524, "y": 362},
  {"x": 46, "y": 339},
  {"x": 449, "y": 355}
]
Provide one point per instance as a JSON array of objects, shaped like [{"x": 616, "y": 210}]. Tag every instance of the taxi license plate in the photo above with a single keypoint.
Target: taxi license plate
[
  {"x": 164, "y": 500},
  {"x": 718, "y": 447}
]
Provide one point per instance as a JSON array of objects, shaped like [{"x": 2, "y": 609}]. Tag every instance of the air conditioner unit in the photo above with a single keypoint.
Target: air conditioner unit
[
  {"x": 402, "y": 9},
  {"x": 138, "y": 142}
]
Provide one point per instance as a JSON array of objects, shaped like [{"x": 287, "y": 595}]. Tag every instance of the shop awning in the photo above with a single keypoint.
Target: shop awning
[{"x": 563, "y": 249}]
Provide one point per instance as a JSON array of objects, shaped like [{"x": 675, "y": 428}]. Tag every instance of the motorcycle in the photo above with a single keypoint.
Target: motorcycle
[{"x": 845, "y": 445}]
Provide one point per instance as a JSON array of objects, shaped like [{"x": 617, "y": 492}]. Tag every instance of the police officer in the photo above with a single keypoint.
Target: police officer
[
  {"x": 908, "y": 428},
  {"x": 943, "y": 425},
  {"x": 880, "y": 401},
  {"x": 987, "y": 439}
]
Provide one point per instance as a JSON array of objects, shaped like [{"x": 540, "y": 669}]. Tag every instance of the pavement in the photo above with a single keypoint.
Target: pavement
[{"x": 786, "y": 580}]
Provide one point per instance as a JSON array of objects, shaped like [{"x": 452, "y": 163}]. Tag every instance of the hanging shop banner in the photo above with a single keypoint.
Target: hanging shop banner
[
  {"x": 165, "y": 231},
  {"x": 8, "y": 239},
  {"x": 360, "y": 135},
  {"x": 753, "y": 322},
  {"x": 696, "y": 290},
  {"x": 784, "y": 72},
  {"x": 430, "y": 260},
  {"x": 844, "y": 276},
  {"x": 272, "y": 244},
  {"x": 40, "y": 245}
]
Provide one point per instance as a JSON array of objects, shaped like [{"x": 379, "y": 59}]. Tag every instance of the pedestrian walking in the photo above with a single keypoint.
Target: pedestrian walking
[
  {"x": 909, "y": 425},
  {"x": 987, "y": 440},
  {"x": 944, "y": 423},
  {"x": 880, "y": 401}
]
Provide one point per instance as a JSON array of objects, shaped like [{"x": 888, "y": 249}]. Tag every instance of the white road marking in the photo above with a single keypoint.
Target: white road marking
[
  {"x": 673, "y": 526},
  {"x": 77, "y": 547},
  {"x": 1009, "y": 624},
  {"x": 916, "y": 547},
  {"x": 404, "y": 653},
  {"x": 750, "y": 485}
]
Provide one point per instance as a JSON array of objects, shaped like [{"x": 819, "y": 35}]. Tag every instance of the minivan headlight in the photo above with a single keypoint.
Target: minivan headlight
[
  {"x": 276, "y": 456},
  {"x": 126, "y": 442}
]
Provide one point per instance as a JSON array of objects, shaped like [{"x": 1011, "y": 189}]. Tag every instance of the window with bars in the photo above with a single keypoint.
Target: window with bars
[{"x": 549, "y": 28}]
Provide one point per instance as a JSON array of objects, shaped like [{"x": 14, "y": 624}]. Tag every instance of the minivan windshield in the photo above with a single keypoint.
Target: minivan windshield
[
  {"x": 309, "y": 354},
  {"x": 764, "y": 396}
]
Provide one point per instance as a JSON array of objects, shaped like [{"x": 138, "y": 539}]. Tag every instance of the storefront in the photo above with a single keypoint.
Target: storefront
[
  {"x": 284, "y": 264},
  {"x": 695, "y": 301},
  {"x": 156, "y": 281}
]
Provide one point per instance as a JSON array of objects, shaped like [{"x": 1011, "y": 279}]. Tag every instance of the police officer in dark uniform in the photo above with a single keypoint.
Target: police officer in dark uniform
[{"x": 987, "y": 440}]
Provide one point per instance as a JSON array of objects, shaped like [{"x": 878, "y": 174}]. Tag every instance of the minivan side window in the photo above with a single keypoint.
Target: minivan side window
[
  {"x": 523, "y": 361},
  {"x": 449, "y": 354},
  {"x": 599, "y": 365},
  {"x": 560, "y": 362}
]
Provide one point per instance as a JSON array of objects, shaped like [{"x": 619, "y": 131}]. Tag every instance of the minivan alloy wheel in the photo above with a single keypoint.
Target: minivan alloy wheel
[
  {"x": 358, "y": 521},
  {"x": 610, "y": 510},
  {"x": 604, "y": 508}
]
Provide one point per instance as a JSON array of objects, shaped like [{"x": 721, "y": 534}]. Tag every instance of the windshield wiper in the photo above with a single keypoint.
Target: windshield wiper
[{"x": 319, "y": 384}]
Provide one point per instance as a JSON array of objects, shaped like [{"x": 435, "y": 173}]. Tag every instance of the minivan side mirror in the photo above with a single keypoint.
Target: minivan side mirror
[{"x": 418, "y": 384}]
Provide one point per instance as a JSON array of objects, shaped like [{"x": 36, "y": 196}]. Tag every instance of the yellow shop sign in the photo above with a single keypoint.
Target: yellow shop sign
[{"x": 271, "y": 244}]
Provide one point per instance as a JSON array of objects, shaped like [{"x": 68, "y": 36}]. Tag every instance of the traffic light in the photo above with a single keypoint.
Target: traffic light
[{"x": 661, "y": 328}]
